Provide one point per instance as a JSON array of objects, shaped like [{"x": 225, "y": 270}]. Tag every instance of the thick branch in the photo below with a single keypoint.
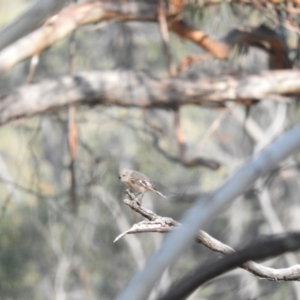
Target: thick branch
[
  {"x": 77, "y": 15},
  {"x": 259, "y": 250},
  {"x": 52, "y": 31},
  {"x": 137, "y": 89},
  {"x": 291, "y": 273},
  {"x": 29, "y": 21}
]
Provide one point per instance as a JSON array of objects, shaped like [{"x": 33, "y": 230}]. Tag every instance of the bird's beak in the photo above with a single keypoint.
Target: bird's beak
[{"x": 119, "y": 177}]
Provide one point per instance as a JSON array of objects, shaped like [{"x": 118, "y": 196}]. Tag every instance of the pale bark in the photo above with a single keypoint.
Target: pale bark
[
  {"x": 29, "y": 21},
  {"x": 137, "y": 89}
]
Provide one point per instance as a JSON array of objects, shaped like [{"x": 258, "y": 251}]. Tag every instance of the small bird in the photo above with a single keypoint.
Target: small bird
[{"x": 138, "y": 182}]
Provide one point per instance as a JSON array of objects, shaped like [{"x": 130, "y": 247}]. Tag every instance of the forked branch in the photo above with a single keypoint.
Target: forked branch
[
  {"x": 164, "y": 224},
  {"x": 155, "y": 224}
]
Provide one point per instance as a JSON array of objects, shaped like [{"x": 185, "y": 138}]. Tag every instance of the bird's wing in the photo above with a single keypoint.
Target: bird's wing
[{"x": 148, "y": 185}]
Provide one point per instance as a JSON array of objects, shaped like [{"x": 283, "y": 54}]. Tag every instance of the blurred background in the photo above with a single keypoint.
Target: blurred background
[{"x": 59, "y": 219}]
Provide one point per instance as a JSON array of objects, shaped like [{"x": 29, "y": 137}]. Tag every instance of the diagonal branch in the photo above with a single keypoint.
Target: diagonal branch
[
  {"x": 261, "y": 249},
  {"x": 29, "y": 21},
  {"x": 217, "y": 49},
  {"x": 291, "y": 273},
  {"x": 75, "y": 16}
]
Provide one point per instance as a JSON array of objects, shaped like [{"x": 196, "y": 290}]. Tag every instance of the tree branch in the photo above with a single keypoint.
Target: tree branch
[
  {"x": 137, "y": 89},
  {"x": 29, "y": 21},
  {"x": 75, "y": 16},
  {"x": 261, "y": 249},
  {"x": 182, "y": 159},
  {"x": 163, "y": 224},
  {"x": 155, "y": 224},
  {"x": 291, "y": 273},
  {"x": 217, "y": 49}
]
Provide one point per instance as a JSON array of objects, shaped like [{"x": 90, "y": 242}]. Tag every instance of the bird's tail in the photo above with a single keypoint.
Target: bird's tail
[{"x": 159, "y": 193}]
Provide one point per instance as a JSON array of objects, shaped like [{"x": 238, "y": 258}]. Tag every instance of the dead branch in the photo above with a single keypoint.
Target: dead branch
[
  {"x": 155, "y": 224},
  {"x": 261, "y": 249},
  {"x": 284, "y": 274},
  {"x": 137, "y": 89},
  {"x": 162, "y": 224}
]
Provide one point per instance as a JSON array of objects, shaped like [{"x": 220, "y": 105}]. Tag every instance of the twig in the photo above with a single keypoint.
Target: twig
[
  {"x": 179, "y": 134},
  {"x": 187, "y": 61},
  {"x": 72, "y": 130},
  {"x": 214, "y": 126},
  {"x": 191, "y": 162}
]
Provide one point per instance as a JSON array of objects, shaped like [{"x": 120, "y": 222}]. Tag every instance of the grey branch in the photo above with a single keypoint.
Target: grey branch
[
  {"x": 261, "y": 249},
  {"x": 284, "y": 274},
  {"x": 155, "y": 224},
  {"x": 162, "y": 224},
  {"x": 137, "y": 89}
]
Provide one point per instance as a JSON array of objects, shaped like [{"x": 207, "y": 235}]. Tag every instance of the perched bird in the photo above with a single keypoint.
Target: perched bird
[{"x": 138, "y": 182}]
